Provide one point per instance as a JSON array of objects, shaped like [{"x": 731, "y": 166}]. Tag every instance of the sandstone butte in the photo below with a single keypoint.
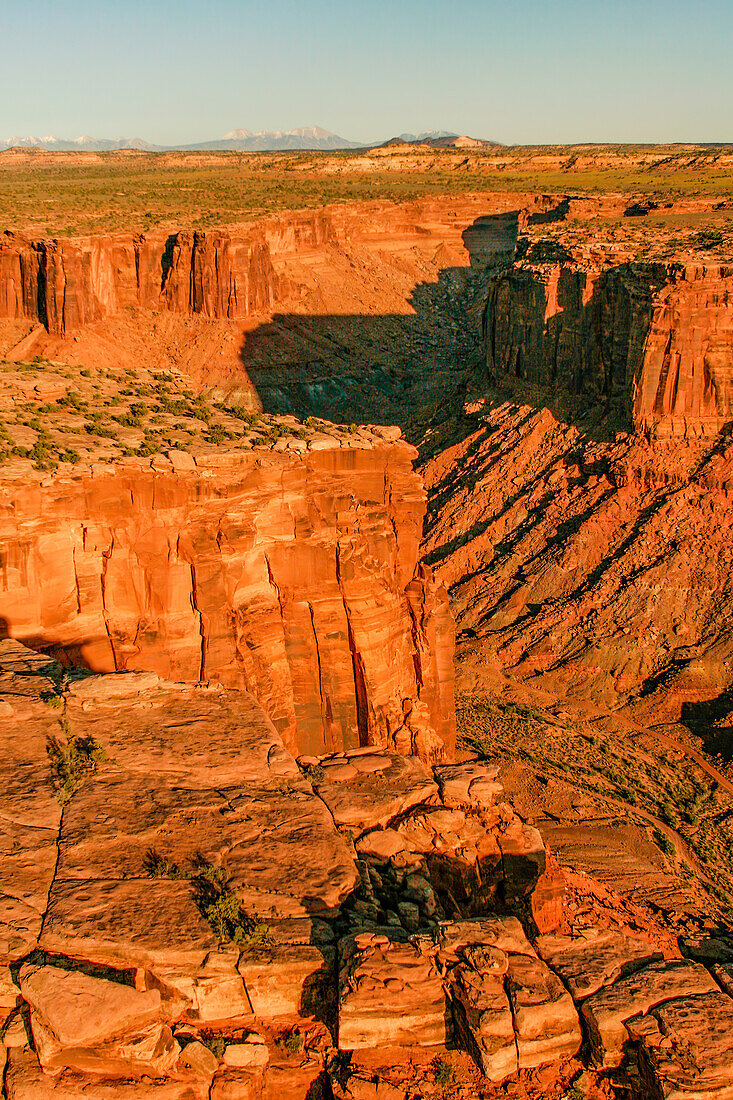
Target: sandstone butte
[{"x": 242, "y": 857}]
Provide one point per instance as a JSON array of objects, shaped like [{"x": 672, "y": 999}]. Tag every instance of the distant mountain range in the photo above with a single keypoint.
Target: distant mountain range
[
  {"x": 306, "y": 138},
  {"x": 80, "y": 144},
  {"x": 310, "y": 137}
]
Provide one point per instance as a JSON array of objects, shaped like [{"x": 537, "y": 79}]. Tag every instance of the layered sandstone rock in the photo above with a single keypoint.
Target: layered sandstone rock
[
  {"x": 511, "y": 1011},
  {"x": 607, "y": 1011},
  {"x": 390, "y": 992},
  {"x": 217, "y": 274},
  {"x": 686, "y": 1048},
  {"x": 655, "y": 340},
  {"x": 291, "y": 573}
]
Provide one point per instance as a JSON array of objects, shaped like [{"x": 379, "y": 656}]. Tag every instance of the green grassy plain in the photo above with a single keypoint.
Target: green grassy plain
[{"x": 68, "y": 194}]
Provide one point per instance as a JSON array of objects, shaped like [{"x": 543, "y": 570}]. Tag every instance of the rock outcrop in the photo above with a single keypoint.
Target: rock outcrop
[
  {"x": 218, "y": 274},
  {"x": 170, "y": 871},
  {"x": 291, "y": 573},
  {"x": 183, "y": 916},
  {"x": 654, "y": 340}
]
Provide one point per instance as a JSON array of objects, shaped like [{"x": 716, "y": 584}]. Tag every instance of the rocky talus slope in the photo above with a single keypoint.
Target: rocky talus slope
[
  {"x": 288, "y": 569},
  {"x": 187, "y": 912},
  {"x": 581, "y": 566}
]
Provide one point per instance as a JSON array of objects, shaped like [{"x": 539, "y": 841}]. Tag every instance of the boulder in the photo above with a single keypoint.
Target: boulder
[
  {"x": 81, "y": 1011},
  {"x": 389, "y": 992},
  {"x": 595, "y": 957},
  {"x": 388, "y": 786},
  {"x": 606, "y": 1012},
  {"x": 545, "y": 1018},
  {"x": 686, "y": 1048},
  {"x": 287, "y": 979},
  {"x": 483, "y": 1015},
  {"x": 472, "y": 783}
]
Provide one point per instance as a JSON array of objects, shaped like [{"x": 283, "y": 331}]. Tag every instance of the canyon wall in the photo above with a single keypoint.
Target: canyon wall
[
  {"x": 653, "y": 340},
  {"x": 292, "y": 575},
  {"x": 220, "y": 274},
  {"x": 65, "y": 284}
]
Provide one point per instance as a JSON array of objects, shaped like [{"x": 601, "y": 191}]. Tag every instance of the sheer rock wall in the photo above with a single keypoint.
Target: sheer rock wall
[
  {"x": 654, "y": 339},
  {"x": 292, "y": 575}
]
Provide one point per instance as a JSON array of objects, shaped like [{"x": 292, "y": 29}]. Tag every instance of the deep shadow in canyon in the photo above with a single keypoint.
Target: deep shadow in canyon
[
  {"x": 366, "y": 368},
  {"x": 483, "y": 330}
]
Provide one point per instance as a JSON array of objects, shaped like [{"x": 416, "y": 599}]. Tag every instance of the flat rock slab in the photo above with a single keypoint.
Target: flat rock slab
[
  {"x": 190, "y": 771},
  {"x": 126, "y": 923},
  {"x": 82, "y": 1010},
  {"x": 607, "y": 1011},
  {"x": 686, "y": 1048},
  {"x": 595, "y": 958},
  {"x": 389, "y": 992},
  {"x": 385, "y": 785},
  {"x": 25, "y": 1080}
]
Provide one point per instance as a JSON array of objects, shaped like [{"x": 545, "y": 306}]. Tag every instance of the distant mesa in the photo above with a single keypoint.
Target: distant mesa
[{"x": 442, "y": 139}]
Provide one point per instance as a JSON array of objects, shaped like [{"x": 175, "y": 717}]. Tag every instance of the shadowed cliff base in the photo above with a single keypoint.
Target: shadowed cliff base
[
  {"x": 712, "y": 721},
  {"x": 371, "y": 368}
]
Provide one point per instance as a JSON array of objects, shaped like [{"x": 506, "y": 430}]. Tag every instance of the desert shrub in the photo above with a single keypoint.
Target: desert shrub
[
  {"x": 215, "y": 899},
  {"x": 95, "y": 427},
  {"x": 215, "y": 1043},
  {"x": 158, "y": 866},
  {"x": 217, "y": 434},
  {"x": 292, "y": 1042},
  {"x": 314, "y": 773},
  {"x": 443, "y": 1072},
  {"x": 149, "y": 446},
  {"x": 43, "y": 454},
  {"x": 72, "y": 400},
  {"x": 128, "y": 420},
  {"x": 72, "y": 761},
  {"x": 665, "y": 844}
]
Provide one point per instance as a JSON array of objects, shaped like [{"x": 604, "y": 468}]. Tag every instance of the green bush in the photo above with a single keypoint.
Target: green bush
[
  {"x": 443, "y": 1072},
  {"x": 72, "y": 761},
  {"x": 157, "y": 866}
]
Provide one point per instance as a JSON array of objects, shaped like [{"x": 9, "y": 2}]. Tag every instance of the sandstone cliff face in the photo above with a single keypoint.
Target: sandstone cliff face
[
  {"x": 292, "y": 575},
  {"x": 217, "y": 274},
  {"x": 656, "y": 340},
  {"x": 65, "y": 284}
]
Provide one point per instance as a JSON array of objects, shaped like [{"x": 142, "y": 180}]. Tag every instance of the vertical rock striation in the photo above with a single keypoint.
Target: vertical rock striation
[
  {"x": 655, "y": 340},
  {"x": 292, "y": 575}
]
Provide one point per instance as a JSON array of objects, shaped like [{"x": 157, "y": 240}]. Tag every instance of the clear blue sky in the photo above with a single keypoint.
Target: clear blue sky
[{"x": 517, "y": 70}]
